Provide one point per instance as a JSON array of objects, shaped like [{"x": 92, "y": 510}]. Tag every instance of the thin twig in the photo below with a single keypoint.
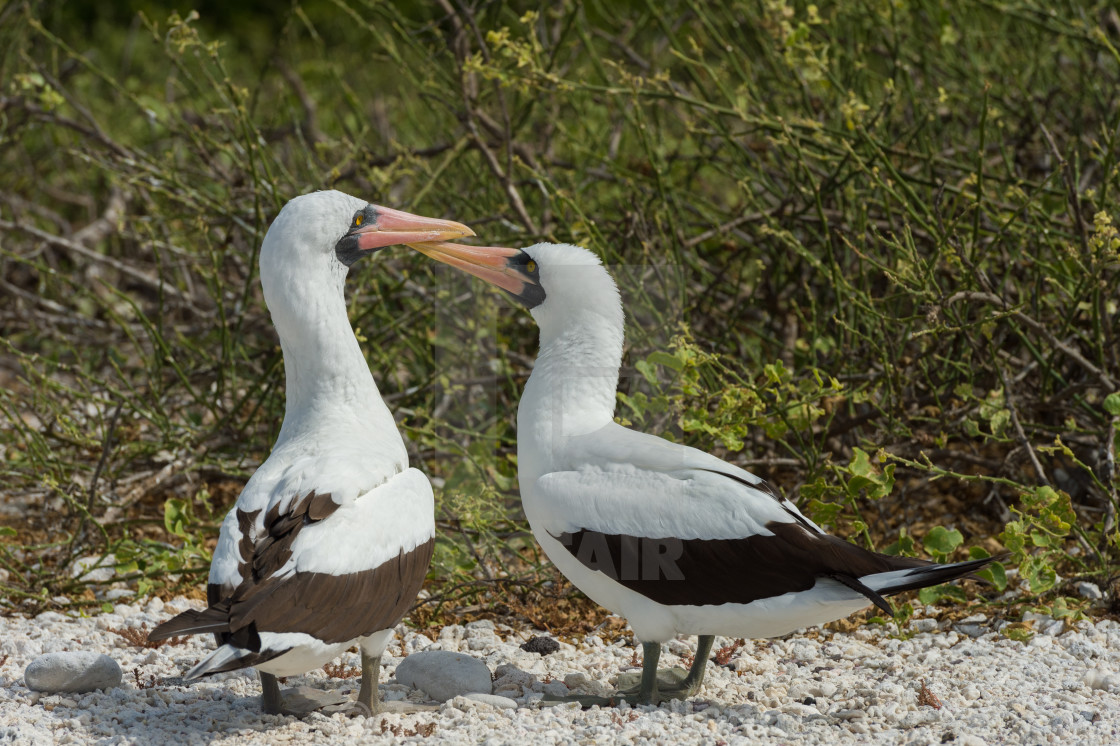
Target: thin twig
[
  {"x": 1012, "y": 410},
  {"x": 1057, "y": 343},
  {"x": 1072, "y": 198},
  {"x": 154, "y": 283}
]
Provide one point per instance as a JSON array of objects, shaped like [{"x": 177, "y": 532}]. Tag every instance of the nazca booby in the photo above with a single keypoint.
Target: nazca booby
[
  {"x": 674, "y": 539},
  {"x": 331, "y": 538}
]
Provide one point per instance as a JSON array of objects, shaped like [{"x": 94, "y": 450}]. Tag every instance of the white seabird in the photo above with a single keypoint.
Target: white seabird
[
  {"x": 674, "y": 539},
  {"x": 330, "y": 540}
]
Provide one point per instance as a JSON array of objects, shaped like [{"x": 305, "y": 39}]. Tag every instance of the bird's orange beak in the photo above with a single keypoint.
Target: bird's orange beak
[
  {"x": 512, "y": 270},
  {"x": 378, "y": 227}
]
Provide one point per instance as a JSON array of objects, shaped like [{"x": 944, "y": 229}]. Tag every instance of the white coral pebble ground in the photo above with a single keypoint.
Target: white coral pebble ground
[{"x": 940, "y": 685}]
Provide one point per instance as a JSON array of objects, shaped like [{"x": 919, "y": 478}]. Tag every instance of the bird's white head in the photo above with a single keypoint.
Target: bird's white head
[
  {"x": 304, "y": 260},
  {"x": 559, "y": 283},
  {"x": 576, "y": 305},
  {"x": 317, "y": 236}
]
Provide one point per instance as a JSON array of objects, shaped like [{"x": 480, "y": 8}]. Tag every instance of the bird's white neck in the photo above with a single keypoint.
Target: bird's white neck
[
  {"x": 572, "y": 388},
  {"x": 331, "y": 394}
]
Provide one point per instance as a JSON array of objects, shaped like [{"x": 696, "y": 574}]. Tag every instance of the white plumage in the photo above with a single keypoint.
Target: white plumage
[
  {"x": 331, "y": 537},
  {"x": 672, "y": 538}
]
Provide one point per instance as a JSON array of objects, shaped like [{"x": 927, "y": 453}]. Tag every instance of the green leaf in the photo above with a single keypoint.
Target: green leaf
[
  {"x": 1061, "y": 608},
  {"x": 174, "y": 516},
  {"x": 861, "y": 465},
  {"x": 823, "y": 512},
  {"x": 942, "y": 541},
  {"x": 1017, "y": 633},
  {"x": 647, "y": 370},
  {"x": 1040, "y": 539},
  {"x": 1112, "y": 404},
  {"x": 936, "y": 593},
  {"x": 1013, "y": 536},
  {"x": 996, "y": 575},
  {"x": 904, "y": 546},
  {"x": 1039, "y": 573},
  {"x": 902, "y": 614},
  {"x": 663, "y": 358},
  {"x": 7, "y": 531},
  {"x": 1000, "y": 421}
]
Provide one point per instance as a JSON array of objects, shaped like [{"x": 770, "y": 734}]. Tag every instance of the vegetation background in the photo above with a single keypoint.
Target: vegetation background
[{"x": 868, "y": 250}]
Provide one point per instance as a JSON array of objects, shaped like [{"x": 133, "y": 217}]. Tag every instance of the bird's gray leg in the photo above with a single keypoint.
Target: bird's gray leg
[
  {"x": 692, "y": 682},
  {"x": 651, "y": 653},
  {"x": 367, "y": 695},
  {"x": 270, "y": 694},
  {"x": 298, "y": 702}
]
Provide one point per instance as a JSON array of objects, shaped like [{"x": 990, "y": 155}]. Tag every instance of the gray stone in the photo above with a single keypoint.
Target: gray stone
[
  {"x": 77, "y": 671},
  {"x": 576, "y": 680},
  {"x": 972, "y": 630},
  {"x": 115, "y": 594},
  {"x": 481, "y": 624},
  {"x": 1091, "y": 591},
  {"x": 923, "y": 625},
  {"x": 443, "y": 675},
  {"x": 94, "y": 569}
]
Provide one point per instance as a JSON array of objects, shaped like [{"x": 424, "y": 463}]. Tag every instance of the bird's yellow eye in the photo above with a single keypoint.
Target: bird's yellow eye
[
  {"x": 357, "y": 221},
  {"x": 531, "y": 266}
]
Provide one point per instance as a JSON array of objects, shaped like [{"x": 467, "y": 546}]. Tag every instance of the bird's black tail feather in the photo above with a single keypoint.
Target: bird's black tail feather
[
  {"x": 926, "y": 575},
  {"x": 907, "y": 578},
  {"x": 194, "y": 621}
]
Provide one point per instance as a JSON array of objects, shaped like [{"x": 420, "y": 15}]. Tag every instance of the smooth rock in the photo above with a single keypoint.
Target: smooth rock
[
  {"x": 971, "y": 630},
  {"x": 1088, "y": 590},
  {"x": 502, "y": 703},
  {"x": 576, "y": 680},
  {"x": 555, "y": 689},
  {"x": 74, "y": 671},
  {"x": 94, "y": 569},
  {"x": 443, "y": 675}
]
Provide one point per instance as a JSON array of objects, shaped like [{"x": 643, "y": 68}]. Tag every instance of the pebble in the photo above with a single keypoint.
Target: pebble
[
  {"x": 1100, "y": 678},
  {"x": 972, "y": 630},
  {"x": 502, "y": 703},
  {"x": 443, "y": 675},
  {"x": 94, "y": 569},
  {"x": 994, "y": 690},
  {"x": 72, "y": 671},
  {"x": 923, "y": 625},
  {"x": 555, "y": 689},
  {"x": 1088, "y": 590},
  {"x": 970, "y": 740},
  {"x": 540, "y": 645}
]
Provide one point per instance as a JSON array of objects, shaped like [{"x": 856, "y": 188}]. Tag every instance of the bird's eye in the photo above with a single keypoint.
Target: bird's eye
[
  {"x": 357, "y": 221},
  {"x": 531, "y": 266}
]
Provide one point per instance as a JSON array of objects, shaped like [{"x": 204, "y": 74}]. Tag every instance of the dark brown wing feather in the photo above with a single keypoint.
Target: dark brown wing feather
[
  {"x": 331, "y": 608},
  {"x": 691, "y": 572}
]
